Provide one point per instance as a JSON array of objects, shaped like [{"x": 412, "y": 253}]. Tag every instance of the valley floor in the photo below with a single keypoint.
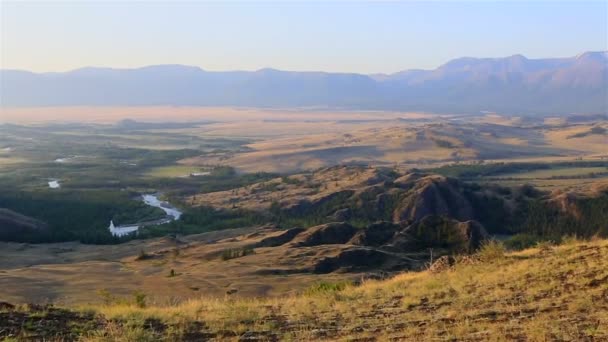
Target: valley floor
[
  {"x": 541, "y": 294},
  {"x": 165, "y": 269}
]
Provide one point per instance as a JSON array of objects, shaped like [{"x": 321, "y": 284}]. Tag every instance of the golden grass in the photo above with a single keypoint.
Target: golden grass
[
  {"x": 541, "y": 294},
  {"x": 289, "y": 190},
  {"x": 31, "y": 115}
]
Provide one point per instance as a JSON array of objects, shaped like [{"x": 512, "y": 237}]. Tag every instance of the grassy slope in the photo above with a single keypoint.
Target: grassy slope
[{"x": 546, "y": 293}]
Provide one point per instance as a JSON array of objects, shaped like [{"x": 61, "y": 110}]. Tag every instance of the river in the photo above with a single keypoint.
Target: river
[{"x": 153, "y": 201}]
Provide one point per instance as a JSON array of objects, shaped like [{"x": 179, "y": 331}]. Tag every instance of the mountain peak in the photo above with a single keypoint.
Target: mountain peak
[
  {"x": 593, "y": 55},
  {"x": 519, "y": 57}
]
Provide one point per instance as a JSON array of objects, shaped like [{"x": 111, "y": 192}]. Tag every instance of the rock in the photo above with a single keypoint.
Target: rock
[
  {"x": 473, "y": 234},
  {"x": 439, "y": 232},
  {"x": 442, "y": 264}
]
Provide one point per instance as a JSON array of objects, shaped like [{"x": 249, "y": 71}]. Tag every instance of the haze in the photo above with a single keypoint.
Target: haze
[{"x": 360, "y": 37}]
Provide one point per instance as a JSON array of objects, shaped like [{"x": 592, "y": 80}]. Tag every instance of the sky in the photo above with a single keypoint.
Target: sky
[{"x": 337, "y": 36}]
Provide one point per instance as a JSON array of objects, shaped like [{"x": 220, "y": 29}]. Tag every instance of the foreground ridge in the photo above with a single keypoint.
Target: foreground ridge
[{"x": 545, "y": 293}]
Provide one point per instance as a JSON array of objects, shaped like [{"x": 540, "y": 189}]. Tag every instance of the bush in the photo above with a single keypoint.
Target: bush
[
  {"x": 570, "y": 240},
  {"x": 522, "y": 241},
  {"x": 545, "y": 246},
  {"x": 327, "y": 287},
  {"x": 140, "y": 299},
  {"x": 492, "y": 250},
  {"x": 106, "y": 296}
]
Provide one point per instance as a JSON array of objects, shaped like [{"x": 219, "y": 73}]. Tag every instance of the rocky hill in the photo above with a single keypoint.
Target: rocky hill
[{"x": 362, "y": 196}]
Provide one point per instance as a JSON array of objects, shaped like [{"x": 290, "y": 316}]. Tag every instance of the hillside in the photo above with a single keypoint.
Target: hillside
[
  {"x": 12, "y": 224},
  {"x": 363, "y": 195},
  {"x": 414, "y": 143},
  {"x": 336, "y": 224},
  {"x": 512, "y": 84},
  {"x": 544, "y": 293}
]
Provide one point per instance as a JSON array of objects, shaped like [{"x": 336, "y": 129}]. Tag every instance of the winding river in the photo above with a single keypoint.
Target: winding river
[{"x": 171, "y": 212}]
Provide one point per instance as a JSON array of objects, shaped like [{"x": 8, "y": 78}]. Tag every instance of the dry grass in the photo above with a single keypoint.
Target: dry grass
[
  {"x": 547, "y": 293},
  {"x": 73, "y": 274},
  {"x": 288, "y": 190}
]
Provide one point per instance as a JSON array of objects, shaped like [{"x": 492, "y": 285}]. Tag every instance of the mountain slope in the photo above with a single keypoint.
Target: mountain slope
[
  {"x": 13, "y": 224},
  {"x": 511, "y": 84},
  {"x": 544, "y": 294}
]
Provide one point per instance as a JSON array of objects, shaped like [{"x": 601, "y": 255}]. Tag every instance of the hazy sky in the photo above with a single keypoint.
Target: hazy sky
[{"x": 366, "y": 37}]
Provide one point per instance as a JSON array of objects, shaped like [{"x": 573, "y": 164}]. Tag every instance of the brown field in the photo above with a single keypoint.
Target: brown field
[
  {"x": 72, "y": 273},
  {"x": 105, "y": 115},
  {"x": 406, "y": 144},
  {"x": 303, "y": 139},
  {"x": 301, "y": 187}
]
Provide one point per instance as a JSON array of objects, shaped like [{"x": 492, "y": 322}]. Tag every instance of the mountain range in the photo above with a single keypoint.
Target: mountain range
[{"x": 514, "y": 84}]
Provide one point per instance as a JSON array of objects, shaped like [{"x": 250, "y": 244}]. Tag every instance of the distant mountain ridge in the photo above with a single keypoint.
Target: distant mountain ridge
[{"x": 512, "y": 84}]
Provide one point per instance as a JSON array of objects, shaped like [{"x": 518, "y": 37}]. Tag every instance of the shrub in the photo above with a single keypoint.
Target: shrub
[
  {"x": 327, "y": 287},
  {"x": 233, "y": 253},
  {"x": 545, "y": 246},
  {"x": 521, "y": 241},
  {"x": 140, "y": 299},
  {"x": 492, "y": 250},
  {"x": 106, "y": 296},
  {"x": 570, "y": 240}
]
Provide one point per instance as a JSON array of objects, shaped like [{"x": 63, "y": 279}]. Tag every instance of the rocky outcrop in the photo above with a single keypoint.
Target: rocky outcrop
[
  {"x": 472, "y": 235},
  {"x": 375, "y": 235},
  {"x": 440, "y": 232},
  {"x": 330, "y": 233},
  {"x": 432, "y": 195}
]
